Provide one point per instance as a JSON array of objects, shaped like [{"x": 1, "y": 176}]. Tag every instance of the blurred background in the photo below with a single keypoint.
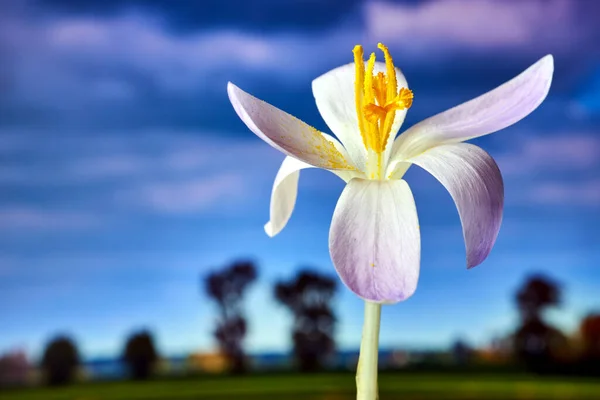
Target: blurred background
[{"x": 133, "y": 262}]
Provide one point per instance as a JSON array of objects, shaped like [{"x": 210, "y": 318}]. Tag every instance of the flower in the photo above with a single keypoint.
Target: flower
[{"x": 374, "y": 238}]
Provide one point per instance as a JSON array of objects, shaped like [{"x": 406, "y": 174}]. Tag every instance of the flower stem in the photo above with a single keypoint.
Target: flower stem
[{"x": 366, "y": 373}]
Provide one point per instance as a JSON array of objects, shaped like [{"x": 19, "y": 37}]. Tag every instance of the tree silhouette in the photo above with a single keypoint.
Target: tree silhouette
[
  {"x": 60, "y": 360},
  {"x": 140, "y": 355},
  {"x": 462, "y": 353},
  {"x": 538, "y": 344},
  {"x": 536, "y": 295},
  {"x": 308, "y": 297},
  {"x": 590, "y": 335},
  {"x": 227, "y": 288},
  {"x": 14, "y": 368}
]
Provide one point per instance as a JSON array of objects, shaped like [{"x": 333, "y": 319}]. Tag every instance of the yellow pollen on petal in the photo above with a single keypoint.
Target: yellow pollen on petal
[
  {"x": 377, "y": 99},
  {"x": 331, "y": 156}
]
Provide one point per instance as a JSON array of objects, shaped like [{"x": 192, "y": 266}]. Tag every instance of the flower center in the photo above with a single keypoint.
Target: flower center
[{"x": 377, "y": 99}]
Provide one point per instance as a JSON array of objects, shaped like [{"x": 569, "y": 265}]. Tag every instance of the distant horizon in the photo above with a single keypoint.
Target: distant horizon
[{"x": 213, "y": 350}]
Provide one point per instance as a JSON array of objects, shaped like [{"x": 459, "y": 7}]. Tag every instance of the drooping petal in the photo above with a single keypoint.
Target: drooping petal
[
  {"x": 283, "y": 195},
  {"x": 334, "y": 94},
  {"x": 285, "y": 190},
  {"x": 485, "y": 114},
  {"x": 475, "y": 184},
  {"x": 287, "y": 133},
  {"x": 374, "y": 240}
]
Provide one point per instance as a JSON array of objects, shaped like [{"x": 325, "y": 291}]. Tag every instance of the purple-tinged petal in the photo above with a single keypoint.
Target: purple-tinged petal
[
  {"x": 374, "y": 240},
  {"x": 287, "y": 133},
  {"x": 488, "y": 113},
  {"x": 475, "y": 184}
]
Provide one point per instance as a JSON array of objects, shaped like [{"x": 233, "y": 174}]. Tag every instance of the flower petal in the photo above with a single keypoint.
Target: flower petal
[
  {"x": 334, "y": 94},
  {"x": 374, "y": 240},
  {"x": 475, "y": 183},
  {"x": 285, "y": 190},
  {"x": 287, "y": 133},
  {"x": 283, "y": 195},
  {"x": 485, "y": 114}
]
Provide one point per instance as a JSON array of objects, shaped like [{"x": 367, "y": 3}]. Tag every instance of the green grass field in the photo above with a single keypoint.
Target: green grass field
[{"x": 322, "y": 387}]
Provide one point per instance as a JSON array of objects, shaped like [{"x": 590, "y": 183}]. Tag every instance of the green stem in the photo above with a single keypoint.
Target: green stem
[{"x": 366, "y": 374}]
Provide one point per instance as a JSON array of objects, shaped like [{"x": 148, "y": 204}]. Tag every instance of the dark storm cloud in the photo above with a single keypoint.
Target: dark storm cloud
[
  {"x": 111, "y": 65},
  {"x": 185, "y": 16}
]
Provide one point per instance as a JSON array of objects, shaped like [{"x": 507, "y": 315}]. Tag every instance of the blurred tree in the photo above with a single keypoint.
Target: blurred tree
[
  {"x": 14, "y": 368},
  {"x": 536, "y": 295},
  {"x": 462, "y": 353},
  {"x": 140, "y": 355},
  {"x": 227, "y": 288},
  {"x": 60, "y": 360},
  {"x": 590, "y": 335},
  {"x": 536, "y": 343},
  {"x": 309, "y": 297}
]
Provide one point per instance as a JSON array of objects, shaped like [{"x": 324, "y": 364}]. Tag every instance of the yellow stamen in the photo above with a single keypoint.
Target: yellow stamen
[
  {"x": 359, "y": 64},
  {"x": 369, "y": 98},
  {"x": 392, "y": 87},
  {"x": 368, "y": 86},
  {"x": 391, "y": 72},
  {"x": 377, "y": 99}
]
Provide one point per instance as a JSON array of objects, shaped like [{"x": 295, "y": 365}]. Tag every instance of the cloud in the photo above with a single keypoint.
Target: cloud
[
  {"x": 134, "y": 165},
  {"x": 558, "y": 169},
  {"x": 34, "y": 158},
  {"x": 572, "y": 194},
  {"x": 20, "y": 217},
  {"x": 126, "y": 67},
  {"x": 484, "y": 25},
  {"x": 96, "y": 54},
  {"x": 139, "y": 42},
  {"x": 127, "y": 70},
  {"x": 127, "y": 177},
  {"x": 108, "y": 166},
  {"x": 567, "y": 151},
  {"x": 212, "y": 193}
]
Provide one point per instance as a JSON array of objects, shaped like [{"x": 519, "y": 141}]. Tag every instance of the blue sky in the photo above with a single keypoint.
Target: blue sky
[{"x": 125, "y": 174}]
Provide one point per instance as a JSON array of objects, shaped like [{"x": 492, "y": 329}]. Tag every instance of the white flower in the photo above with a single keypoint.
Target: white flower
[{"x": 374, "y": 238}]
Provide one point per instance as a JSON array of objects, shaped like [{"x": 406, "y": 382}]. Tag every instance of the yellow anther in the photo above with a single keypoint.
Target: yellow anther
[
  {"x": 369, "y": 98},
  {"x": 369, "y": 89},
  {"x": 359, "y": 81},
  {"x": 391, "y": 72}
]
